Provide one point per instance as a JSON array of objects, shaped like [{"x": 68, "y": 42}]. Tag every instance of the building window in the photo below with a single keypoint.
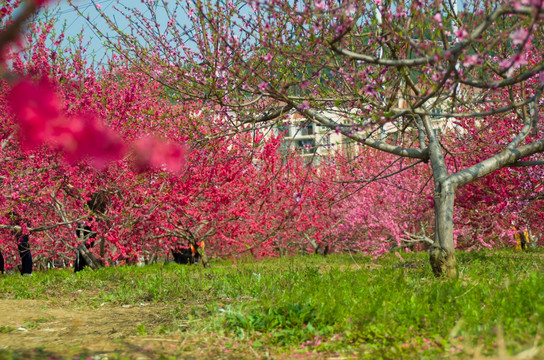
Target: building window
[
  {"x": 306, "y": 146},
  {"x": 285, "y": 147},
  {"x": 326, "y": 140},
  {"x": 283, "y": 130},
  {"x": 306, "y": 128},
  {"x": 323, "y": 128}
]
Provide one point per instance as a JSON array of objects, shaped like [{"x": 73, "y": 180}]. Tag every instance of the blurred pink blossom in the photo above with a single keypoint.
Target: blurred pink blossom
[
  {"x": 152, "y": 152},
  {"x": 470, "y": 60},
  {"x": 461, "y": 34},
  {"x": 41, "y": 2},
  {"x": 38, "y": 112},
  {"x": 519, "y": 36}
]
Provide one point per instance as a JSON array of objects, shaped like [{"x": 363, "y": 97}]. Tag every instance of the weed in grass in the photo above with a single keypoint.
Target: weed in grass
[
  {"x": 285, "y": 324},
  {"x": 141, "y": 329},
  {"x": 6, "y": 329},
  {"x": 34, "y": 324}
]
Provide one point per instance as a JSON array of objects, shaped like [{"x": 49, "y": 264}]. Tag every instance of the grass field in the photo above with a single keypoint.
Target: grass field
[{"x": 337, "y": 307}]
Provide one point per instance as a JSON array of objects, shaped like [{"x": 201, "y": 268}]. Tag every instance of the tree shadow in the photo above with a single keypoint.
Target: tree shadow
[{"x": 83, "y": 354}]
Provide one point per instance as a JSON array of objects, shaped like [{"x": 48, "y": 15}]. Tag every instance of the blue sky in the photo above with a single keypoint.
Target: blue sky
[{"x": 76, "y": 24}]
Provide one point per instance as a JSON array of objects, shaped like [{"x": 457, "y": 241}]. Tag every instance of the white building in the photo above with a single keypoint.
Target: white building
[{"x": 312, "y": 141}]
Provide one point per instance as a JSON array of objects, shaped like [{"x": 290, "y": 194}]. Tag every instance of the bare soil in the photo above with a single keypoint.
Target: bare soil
[
  {"x": 61, "y": 330},
  {"x": 29, "y": 324}
]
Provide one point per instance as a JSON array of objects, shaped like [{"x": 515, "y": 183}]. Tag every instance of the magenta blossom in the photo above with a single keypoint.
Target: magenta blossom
[
  {"x": 152, "y": 152},
  {"x": 38, "y": 112}
]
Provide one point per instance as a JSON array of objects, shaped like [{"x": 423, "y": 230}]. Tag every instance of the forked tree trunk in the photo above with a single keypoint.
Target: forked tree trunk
[
  {"x": 442, "y": 252},
  {"x": 91, "y": 260}
]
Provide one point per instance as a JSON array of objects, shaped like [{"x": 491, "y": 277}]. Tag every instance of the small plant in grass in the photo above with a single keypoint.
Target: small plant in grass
[
  {"x": 34, "y": 324},
  {"x": 284, "y": 324},
  {"x": 6, "y": 329},
  {"x": 141, "y": 329}
]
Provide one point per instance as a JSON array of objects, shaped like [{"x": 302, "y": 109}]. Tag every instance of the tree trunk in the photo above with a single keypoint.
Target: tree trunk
[
  {"x": 102, "y": 247},
  {"x": 91, "y": 260},
  {"x": 204, "y": 259},
  {"x": 442, "y": 252}
]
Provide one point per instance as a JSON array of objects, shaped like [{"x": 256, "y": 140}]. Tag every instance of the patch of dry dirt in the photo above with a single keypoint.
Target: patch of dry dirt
[
  {"x": 64, "y": 330},
  {"x": 26, "y": 324}
]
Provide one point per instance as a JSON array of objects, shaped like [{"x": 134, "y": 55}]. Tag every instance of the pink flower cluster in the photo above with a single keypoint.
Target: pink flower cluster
[
  {"x": 41, "y": 121},
  {"x": 155, "y": 153},
  {"x": 41, "y": 2},
  {"x": 39, "y": 114}
]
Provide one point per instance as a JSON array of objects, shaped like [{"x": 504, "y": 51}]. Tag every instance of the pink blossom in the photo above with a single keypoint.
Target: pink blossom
[
  {"x": 470, "y": 60},
  {"x": 305, "y": 105},
  {"x": 298, "y": 197},
  {"x": 98, "y": 6},
  {"x": 152, "y": 152},
  {"x": 461, "y": 34},
  {"x": 85, "y": 137},
  {"x": 263, "y": 85},
  {"x": 438, "y": 18},
  {"x": 37, "y": 109},
  {"x": 514, "y": 63},
  {"x": 518, "y": 37},
  {"x": 320, "y": 5},
  {"x": 350, "y": 10},
  {"x": 41, "y": 2},
  {"x": 369, "y": 89},
  {"x": 38, "y": 112},
  {"x": 536, "y": 3},
  {"x": 519, "y": 60}
]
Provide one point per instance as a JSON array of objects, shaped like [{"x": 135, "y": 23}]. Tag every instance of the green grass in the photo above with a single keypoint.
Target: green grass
[{"x": 355, "y": 306}]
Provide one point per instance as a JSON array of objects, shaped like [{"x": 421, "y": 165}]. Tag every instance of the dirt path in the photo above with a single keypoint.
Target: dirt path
[
  {"x": 26, "y": 324},
  {"x": 63, "y": 330}
]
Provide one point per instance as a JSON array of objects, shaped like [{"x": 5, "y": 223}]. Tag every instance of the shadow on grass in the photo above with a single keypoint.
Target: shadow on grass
[
  {"x": 39, "y": 354},
  {"x": 43, "y": 354}
]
